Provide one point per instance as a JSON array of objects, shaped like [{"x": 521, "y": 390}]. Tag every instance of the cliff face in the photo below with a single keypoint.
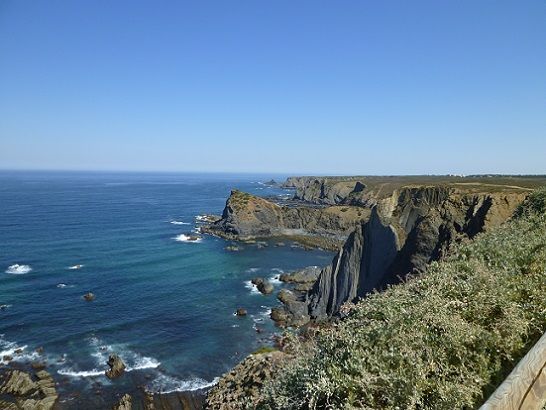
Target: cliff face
[
  {"x": 248, "y": 217},
  {"x": 417, "y": 229},
  {"x": 329, "y": 191}
]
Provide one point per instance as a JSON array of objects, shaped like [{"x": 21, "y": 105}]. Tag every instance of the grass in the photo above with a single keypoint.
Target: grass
[{"x": 444, "y": 340}]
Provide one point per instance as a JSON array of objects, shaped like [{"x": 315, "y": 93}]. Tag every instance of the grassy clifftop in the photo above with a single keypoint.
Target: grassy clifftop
[{"x": 443, "y": 340}]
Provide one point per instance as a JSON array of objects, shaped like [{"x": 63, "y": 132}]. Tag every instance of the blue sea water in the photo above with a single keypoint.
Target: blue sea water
[{"x": 164, "y": 305}]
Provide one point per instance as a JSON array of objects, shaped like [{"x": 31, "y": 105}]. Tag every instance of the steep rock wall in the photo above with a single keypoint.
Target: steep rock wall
[{"x": 418, "y": 230}]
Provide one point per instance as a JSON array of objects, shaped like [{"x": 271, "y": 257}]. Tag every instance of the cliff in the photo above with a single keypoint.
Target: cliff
[
  {"x": 419, "y": 227},
  {"x": 247, "y": 217},
  {"x": 442, "y": 340}
]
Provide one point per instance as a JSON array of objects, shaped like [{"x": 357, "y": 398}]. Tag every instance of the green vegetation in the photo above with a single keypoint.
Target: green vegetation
[
  {"x": 444, "y": 340},
  {"x": 265, "y": 349}
]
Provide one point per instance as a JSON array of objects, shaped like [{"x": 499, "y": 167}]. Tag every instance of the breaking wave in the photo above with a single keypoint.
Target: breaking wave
[
  {"x": 17, "y": 269},
  {"x": 187, "y": 238}
]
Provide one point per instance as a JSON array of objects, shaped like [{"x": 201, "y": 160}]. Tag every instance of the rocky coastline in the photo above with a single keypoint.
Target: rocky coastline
[
  {"x": 404, "y": 226},
  {"x": 382, "y": 230}
]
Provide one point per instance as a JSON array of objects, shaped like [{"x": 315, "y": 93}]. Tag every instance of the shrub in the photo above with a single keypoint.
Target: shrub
[{"x": 535, "y": 204}]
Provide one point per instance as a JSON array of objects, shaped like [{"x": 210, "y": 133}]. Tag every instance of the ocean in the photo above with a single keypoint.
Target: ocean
[{"x": 164, "y": 304}]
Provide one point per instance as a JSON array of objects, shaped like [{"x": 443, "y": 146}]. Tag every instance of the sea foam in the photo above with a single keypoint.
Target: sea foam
[
  {"x": 179, "y": 223},
  {"x": 187, "y": 238},
  {"x": 17, "y": 269},
  {"x": 168, "y": 384}
]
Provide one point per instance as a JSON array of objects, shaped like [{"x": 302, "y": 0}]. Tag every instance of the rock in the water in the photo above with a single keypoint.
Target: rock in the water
[
  {"x": 7, "y": 358},
  {"x": 38, "y": 365},
  {"x": 125, "y": 403},
  {"x": 265, "y": 287},
  {"x": 89, "y": 296},
  {"x": 256, "y": 281},
  {"x": 117, "y": 367},
  {"x": 241, "y": 312}
]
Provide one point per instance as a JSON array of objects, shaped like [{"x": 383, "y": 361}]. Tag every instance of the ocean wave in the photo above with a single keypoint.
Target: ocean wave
[
  {"x": 17, "y": 269},
  {"x": 168, "y": 384},
  {"x": 253, "y": 289},
  {"x": 5, "y": 306},
  {"x": 9, "y": 348},
  {"x": 275, "y": 279},
  {"x": 64, "y": 285},
  {"x": 266, "y": 311},
  {"x": 252, "y": 270},
  {"x": 179, "y": 223},
  {"x": 75, "y": 267},
  {"x": 187, "y": 238},
  {"x": 83, "y": 373},
  {"x": 132, "y": 359}
]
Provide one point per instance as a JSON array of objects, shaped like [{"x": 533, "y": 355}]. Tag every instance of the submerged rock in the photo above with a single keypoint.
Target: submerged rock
[{"x": 117, "y": 367}]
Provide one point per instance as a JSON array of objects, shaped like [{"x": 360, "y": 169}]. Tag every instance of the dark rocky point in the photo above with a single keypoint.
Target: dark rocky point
[{"x": 117, "y": 367}]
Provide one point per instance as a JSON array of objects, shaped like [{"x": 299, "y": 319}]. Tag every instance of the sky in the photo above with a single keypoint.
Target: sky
[{"x": 301, "y": 87}]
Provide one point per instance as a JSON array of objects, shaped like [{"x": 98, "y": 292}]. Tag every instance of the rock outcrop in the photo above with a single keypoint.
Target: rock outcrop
[
  {"x": 399, "y": 240},
  {"x": 117, "y": 367},
  {"x": 240, "y": 388},
  {"x": 248, "y": 217},
  {"x": 19, "y": 390}
]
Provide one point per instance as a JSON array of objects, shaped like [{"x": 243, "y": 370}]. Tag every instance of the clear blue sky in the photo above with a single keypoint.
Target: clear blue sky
[{"x": 329, "y": 87}]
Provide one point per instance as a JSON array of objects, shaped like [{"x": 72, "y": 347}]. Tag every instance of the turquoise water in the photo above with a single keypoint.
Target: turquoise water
[{"x": 165, "y": 306}]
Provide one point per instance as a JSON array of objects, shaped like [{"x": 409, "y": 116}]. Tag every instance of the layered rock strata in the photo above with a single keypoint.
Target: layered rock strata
[{"x": 402, "y": 239}]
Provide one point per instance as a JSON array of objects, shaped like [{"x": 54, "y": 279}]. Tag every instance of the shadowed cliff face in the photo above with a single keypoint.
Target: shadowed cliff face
[
  {"x": 391, "y": 245},
  {"x": 357, "y": 269}
]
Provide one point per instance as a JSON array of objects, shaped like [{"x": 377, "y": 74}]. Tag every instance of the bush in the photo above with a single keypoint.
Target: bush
[
  {"x": 444, "y": 340},
  {"x": 535, "y": 204}
]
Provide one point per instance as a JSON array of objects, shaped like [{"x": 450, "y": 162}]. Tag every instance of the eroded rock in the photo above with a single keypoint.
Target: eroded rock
[{"x": 117, "y": 367}]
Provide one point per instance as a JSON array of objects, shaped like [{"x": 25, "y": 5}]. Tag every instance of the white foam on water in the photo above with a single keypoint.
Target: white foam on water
[
  {"x": 186, "y": 238},
  {"x": 278, "y": 270},
  {"x": 8, "y": 348},
  {"x": 84, "y": 373},
  {"x": 201, "y": 218},
  {"x": 168, "y": 384},
  {"x": 275, "y": 280},
  {"x": 253, "y": 289},
  {"x": 252, "y": 270},
  {"x": 3, "y": 307},
  {"x": 179, "y": 223},
  {"x": 132, "y": 360},
  {"x": 266, "y": 312},
  {"x": 17, "y": 269},
  {"x": 75, "y": 267},
  {"x": 64, "y": 285}
]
